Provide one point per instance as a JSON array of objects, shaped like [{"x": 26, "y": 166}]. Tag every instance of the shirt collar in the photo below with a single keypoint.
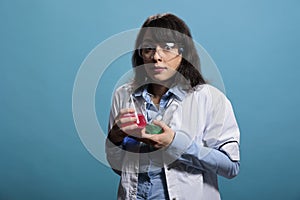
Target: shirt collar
[{"x": 178, "y": 91}]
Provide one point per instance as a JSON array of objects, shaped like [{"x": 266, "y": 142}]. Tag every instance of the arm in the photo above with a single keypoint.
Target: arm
[
  {"x": 121, "y": 124},
  {"x": 211, "y": 146},
  {"x": 209, "y": 159},
  {"x": 115, "y": 142},
  {"x": 214, "y": 144},
  {"x": 195, "y": 155},
  {"x": 203, "y": 158},
  {"x": 113, "y": 145},
  {"x": 113, "y": 148},
  {"x": 216, "y": 147}
]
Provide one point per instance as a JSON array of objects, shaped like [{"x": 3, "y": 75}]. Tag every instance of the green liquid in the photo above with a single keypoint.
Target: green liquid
[{"x": 153, "y": 129}]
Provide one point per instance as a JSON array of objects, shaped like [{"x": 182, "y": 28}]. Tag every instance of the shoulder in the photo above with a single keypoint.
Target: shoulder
[
  {"x": 210, "y": 96},
  {"x": 123, "y": 89},
  {"x": 122, "y": 92},
  {"x": 208, "y": 91}
]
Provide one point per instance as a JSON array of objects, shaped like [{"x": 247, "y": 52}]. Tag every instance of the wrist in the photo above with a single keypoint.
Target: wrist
[{"x": 116, "y": 135}]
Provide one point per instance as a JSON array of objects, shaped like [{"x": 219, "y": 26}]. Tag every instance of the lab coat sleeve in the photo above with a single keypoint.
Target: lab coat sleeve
[
  {"x": 114, "y": 152},
  {"x": 216, "y": 147}
]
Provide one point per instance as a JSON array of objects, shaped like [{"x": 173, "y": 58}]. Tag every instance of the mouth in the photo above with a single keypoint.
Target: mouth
[{"x": 158, "y": 69}]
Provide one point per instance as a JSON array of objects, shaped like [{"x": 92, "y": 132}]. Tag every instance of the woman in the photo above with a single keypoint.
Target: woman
[{"x": 199, "y": 137}]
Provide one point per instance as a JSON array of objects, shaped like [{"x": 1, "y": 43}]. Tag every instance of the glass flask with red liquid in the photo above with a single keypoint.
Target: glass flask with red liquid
[
  {"x": 139, "y": 113},
  {"x": 141, "y": 122}
]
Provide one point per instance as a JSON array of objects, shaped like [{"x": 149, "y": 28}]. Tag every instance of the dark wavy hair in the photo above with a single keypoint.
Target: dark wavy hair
[{"x": 169, "y": 28}]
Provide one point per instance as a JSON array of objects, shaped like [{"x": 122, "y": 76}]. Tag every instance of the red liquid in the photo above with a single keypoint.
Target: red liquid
[{"x": 142, "y": 121}]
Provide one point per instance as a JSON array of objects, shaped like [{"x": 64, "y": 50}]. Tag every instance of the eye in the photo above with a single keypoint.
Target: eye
[{"x": 148, "y": 47}]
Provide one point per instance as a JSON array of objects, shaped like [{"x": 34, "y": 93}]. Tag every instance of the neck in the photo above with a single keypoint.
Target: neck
[{"x": 157, "y": 90}]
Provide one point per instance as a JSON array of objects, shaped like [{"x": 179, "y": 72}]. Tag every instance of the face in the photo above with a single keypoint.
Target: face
[{"x": 161, "y": 59}]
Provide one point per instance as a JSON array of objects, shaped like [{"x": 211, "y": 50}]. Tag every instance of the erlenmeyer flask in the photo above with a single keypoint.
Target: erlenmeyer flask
[{"x": 139, "y": 112}]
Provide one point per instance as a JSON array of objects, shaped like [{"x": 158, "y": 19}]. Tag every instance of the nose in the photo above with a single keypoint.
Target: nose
[{"x": 156, "y": 55}]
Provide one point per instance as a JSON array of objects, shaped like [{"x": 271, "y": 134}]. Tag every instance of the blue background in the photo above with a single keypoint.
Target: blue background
[{"x": 255, "y": 45}]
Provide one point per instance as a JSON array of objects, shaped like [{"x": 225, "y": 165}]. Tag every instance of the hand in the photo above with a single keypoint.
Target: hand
[
  {"x": 125, "y": 124},
  {"x": 159, "y": 140}
]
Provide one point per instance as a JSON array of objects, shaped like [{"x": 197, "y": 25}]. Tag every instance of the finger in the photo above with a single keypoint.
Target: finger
[
  {"x": 125, "y": 120},
  {"x": 130, "y": 129},
  {"x": 152, "y": 138},
  {"x": 126, "y": 111},
  {"x": 133, "y": 130}
]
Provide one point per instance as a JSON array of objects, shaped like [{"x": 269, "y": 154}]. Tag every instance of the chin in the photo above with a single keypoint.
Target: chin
[{"x": 160, "y": 79}]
